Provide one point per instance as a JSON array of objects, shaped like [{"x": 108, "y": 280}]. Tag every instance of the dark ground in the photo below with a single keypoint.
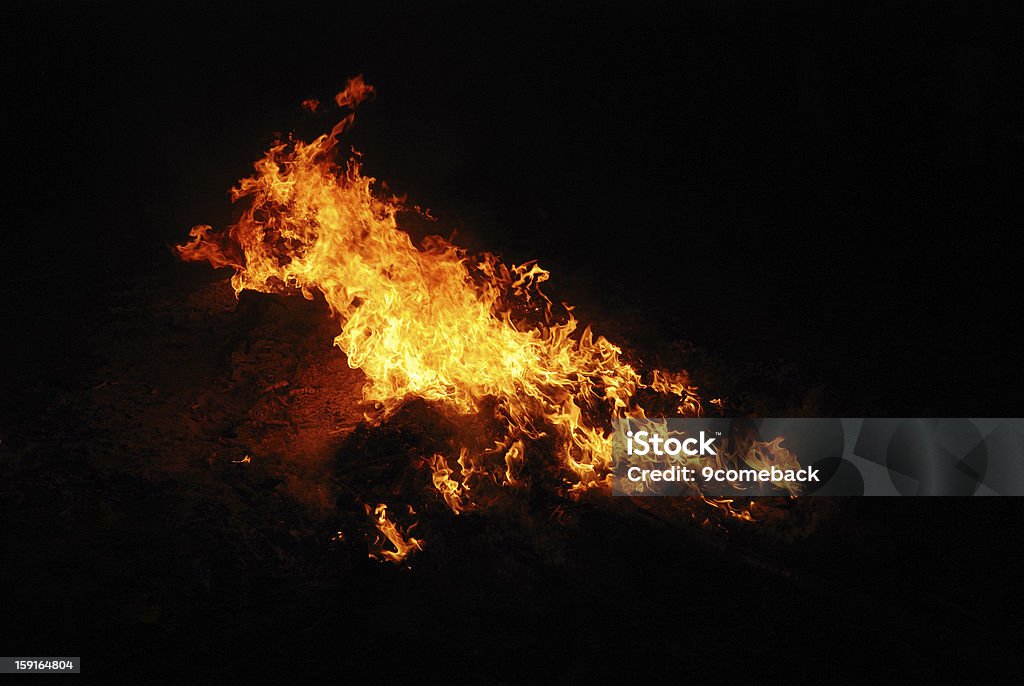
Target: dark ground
[
  {"x": 828, "y": 198},
  {"x": 133, "y": 537}
]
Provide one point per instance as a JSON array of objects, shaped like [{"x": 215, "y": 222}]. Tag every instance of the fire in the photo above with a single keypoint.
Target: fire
[
  {"x": 402, "y": 544},
  {"x": 464, "y": 331},
  {"x": 452, "y": 491}
]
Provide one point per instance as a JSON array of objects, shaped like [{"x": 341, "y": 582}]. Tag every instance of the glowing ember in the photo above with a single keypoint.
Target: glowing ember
[{"x": 463, "y": 331}]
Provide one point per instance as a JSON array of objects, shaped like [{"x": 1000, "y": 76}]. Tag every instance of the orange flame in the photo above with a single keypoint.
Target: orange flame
[
  {"x": 433, "y": 322},
  {"x": 451, "y": 490},
  {"x": 356, "y": 90},
  {"x": 402, "y": 545}
]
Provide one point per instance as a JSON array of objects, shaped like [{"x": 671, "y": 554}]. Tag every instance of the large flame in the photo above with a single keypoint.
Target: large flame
[{"x": 433, "y": 322}]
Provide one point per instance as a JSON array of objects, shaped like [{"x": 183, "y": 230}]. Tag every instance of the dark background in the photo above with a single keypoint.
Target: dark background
[{"x": 834, "y": 186}]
